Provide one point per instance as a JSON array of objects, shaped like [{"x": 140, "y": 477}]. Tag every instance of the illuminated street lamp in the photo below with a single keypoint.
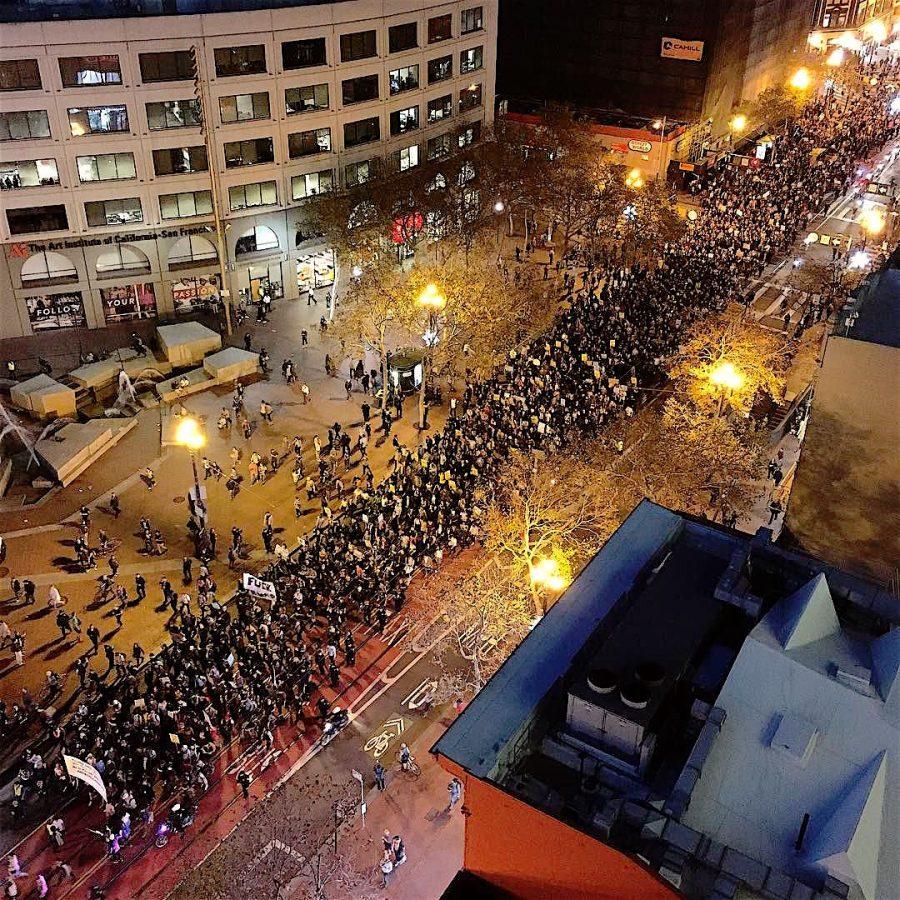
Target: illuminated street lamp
[
  {"x": 738, "y": 123},
  {"x": 634, "y": 179},
  {"x": 725, "y": 378},
  {"x": 801, "y": 79},
  {"x": 189, "y": 434},
  {"x": 433, "y": 302},
  {"x": 546, "y": 578},
  {"x": 873, "y": 223}
]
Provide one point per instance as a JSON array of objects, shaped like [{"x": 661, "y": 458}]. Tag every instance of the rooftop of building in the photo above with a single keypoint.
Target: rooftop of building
[
  {"x": 13, "y": 11},
  {"x": 845, "y": 501},
  {"x": 687, "y": 610}
]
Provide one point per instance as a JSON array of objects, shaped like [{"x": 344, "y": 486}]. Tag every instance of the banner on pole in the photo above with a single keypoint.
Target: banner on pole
[
  {"x": 258, "y": 587},
  {"x": 85, "y": 772}
]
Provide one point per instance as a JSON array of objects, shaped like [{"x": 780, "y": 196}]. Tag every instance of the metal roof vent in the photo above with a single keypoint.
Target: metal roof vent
[
  {"x": 603, "y": 681},
  {"x": 650, "y": 673},
  {"x": 635, "y": 695}
]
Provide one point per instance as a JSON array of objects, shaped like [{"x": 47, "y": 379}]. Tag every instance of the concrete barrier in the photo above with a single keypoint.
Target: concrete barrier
[
  {"x": 186, "y": 343},
  {"x": 44, "y": 397},
  {"x": 79, "y": 445},
  {"x": 231, "y": 363}
]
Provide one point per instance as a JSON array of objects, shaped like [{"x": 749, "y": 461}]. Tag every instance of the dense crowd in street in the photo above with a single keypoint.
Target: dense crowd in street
[{"x": 153, "y": 730}]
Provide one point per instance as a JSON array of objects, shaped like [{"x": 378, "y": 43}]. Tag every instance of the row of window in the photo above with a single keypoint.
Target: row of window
[
  {"x": 185, "y": 204},
  {"x": 256, "y": 151},
  {"x": 162, "y": 115},
  {"x": 178, "y": 65}
]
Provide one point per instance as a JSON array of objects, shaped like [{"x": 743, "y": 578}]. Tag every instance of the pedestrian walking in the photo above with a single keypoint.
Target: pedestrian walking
[
  {"x": 378, "y": 770},
  {"x": 114, "y": 504},
  {"x": 454, "y": 789},
  {"x": 244, "y": 780},
  {"x": 387, "y": 866}
]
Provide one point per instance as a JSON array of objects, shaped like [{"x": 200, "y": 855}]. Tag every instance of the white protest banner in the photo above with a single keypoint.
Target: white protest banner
[
  {"x": 258, "y": 587},
  {"x": 78, "y": 768}
]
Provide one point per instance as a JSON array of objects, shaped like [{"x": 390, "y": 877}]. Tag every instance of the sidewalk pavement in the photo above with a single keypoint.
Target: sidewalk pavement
[{"x": 415, "y": 809}]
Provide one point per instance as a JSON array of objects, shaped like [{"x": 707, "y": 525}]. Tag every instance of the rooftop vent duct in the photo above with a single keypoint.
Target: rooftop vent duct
[
  {"x": 603, "y": 681},
  {"x": 635, "y": 695},
  {"x": 650, "y": 673}
]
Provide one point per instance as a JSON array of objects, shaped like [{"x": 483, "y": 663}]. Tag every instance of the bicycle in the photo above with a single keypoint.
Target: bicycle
[{"x": 410, "y": 768}]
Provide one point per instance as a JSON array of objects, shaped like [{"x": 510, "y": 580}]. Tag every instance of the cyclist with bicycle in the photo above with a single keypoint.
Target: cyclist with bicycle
[{"x": 405, "y": 757}]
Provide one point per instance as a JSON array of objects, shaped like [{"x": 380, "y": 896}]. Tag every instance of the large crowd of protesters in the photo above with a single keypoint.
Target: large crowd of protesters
[{"x": 154, "y": 728}]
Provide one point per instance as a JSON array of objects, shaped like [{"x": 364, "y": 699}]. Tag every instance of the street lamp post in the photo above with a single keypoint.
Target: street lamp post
[
  {"x": 546, "y": 578},
  {"x": 189, "y": 434},
  {"x": 433, "y": 302},
  {"x": 726, "y": 378}
]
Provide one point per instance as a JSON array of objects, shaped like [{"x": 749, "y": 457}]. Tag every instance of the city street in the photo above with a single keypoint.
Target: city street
[{"x": 41, "y": 550}]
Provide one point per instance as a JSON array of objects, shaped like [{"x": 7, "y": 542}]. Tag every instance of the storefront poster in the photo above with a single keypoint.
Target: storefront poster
[
  {"x": 48, "y": 312},
  {"x": 131, "y": 301},
  {"x": 196, "y": 294}
]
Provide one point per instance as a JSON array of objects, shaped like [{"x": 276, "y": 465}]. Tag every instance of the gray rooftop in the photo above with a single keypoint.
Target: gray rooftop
[{"x": 812, "y": 715}]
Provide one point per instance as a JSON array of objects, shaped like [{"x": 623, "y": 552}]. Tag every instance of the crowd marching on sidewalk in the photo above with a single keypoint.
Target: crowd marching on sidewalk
[{"x": 152, "y": 731}]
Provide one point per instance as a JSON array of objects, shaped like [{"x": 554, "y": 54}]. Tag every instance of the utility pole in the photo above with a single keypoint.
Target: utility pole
[{"x": 212, "y": 165}]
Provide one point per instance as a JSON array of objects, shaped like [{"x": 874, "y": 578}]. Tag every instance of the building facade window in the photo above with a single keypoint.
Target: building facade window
[
  {"x": 303, "y": 54},
  {"x": 440, "y": 108},
  {"x": 440, "y": 69},
  {"x": 97, "y": 120},
  {"x": 439, "y": 147},
  {"x": 170, "y": 65},
  {"x": 234, "y": 61},
  {"x": 256, "y": 240},
  {"x": 28, "y": 173},
  {"x": 402, "y": 37},
  {"x": 22, "y": 126},
  {"x": 362, "y": 132},
  {"x": 19, "y": 75},
  {"x": 404, "y": 79},
  {"x": 403, "y": 120},
  {"x": 471, "y": 20},
  {"x": 121, "y": 260},
  {"x": 88, "y": 71},
  {"x": 244, "y": 107},
  {"x": 192, "y": 251},
  {"x": 306, "y": 99},
  {"x": 306, "y": 143},
  {"x": 358, "y": 45},
  {"x": 245, "y": 196},
  {"x": 469, "y": 135},
  {"x": 36, "y": 219},
  {"x": 311, "y": 184},
  {"x": 185, "y": 204},
  {"x": 357, "y": 173},
  {"x": 101, "y": 213},
  {"x": 180, "y": 160},
  {"x": 106, "y": 167},
  {"x": 440, "y": 28},
  {"x": 254, "y": 152},
  {"x": 470, "y": 97},
  {"x": 359, "y": 90},
  {"x": 407, "y": 158},
  {"x": 45, "y": 267},
  {"x": 471, "y": 60},
  {"x": 173, "y": 114}
]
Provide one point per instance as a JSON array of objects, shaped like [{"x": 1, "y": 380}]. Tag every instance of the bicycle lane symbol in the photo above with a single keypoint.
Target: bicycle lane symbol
[{"x": 384, "y": 736}]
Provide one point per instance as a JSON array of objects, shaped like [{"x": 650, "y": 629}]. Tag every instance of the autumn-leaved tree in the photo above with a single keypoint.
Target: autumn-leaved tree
[
  {"x": 646, "y": 222},
  {"x": 557, "y": 508},
  {"x": 728, "y": 361}
]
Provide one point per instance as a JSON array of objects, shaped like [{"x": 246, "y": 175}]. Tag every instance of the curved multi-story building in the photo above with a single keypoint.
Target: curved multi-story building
[{"x": 108, "y": 181}]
